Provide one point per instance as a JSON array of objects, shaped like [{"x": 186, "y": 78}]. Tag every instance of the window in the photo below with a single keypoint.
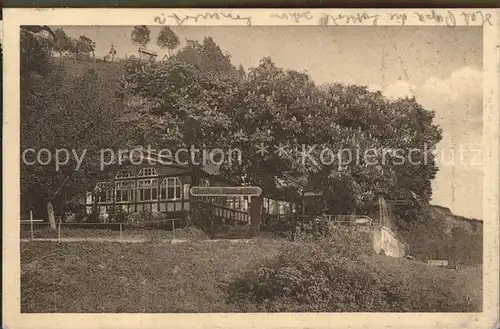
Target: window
[
  {"x": 234, "y": 202},
  {"x": 265, "y": 205},
  {"x": 283, "y": 207},
  {"x": 273, "y": 207},
  {"x": 171, "y": 189},
  {"x": 125, "y": 173},
  {"x": 104, "y": 192},
  {"x": 147, "y": 189},
  {"x": 148, "y": 172},
  {"x": 124, "y": 191}
]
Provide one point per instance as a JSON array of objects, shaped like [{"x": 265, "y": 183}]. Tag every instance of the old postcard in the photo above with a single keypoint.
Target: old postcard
[{"x": 285, "y": 168}]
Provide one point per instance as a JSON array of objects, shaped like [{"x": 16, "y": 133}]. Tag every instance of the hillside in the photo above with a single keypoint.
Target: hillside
[
  {"x": 471, "y": 225},
  {"x": 109, "y": 72},
  {"x": 447, "y": 236},
  {"x": 263, "y": 275}
]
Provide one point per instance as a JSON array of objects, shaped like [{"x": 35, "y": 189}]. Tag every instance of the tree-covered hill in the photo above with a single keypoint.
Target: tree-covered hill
[{"x": 443, "y": 235}]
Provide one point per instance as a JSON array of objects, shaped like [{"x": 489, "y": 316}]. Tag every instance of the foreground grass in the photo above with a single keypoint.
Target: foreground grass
[
  {"x": 198, "y": 277},
  {"x": 146, "y": 277}
]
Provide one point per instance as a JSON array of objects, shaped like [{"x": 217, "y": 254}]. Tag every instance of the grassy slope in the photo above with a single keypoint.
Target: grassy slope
[
  {"x": 109, "y": 72},
  {"x": 112, "y": 277},
  {"x": 94, "y": 277}
]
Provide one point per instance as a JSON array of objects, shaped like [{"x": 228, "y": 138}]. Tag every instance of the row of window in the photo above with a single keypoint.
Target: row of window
[
  {"x": 145, "y": 190},
  {"x": 170, "y": 188}
]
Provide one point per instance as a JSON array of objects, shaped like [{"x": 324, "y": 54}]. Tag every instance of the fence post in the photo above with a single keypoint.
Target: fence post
[
  {"x": 173, "y": 228},
  {"x": 31, "y": 224},
  {"x": 121, "y": 231},
  {"x": 59, "y": 231}
]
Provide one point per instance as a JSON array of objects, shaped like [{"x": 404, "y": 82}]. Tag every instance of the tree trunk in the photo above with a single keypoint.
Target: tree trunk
[
  {"x": 51, "y": 216},
  {"x": 255, "y": 214}
]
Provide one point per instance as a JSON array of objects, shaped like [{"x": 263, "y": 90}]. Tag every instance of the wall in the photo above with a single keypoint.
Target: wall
[{"x": 384, "y": 238}]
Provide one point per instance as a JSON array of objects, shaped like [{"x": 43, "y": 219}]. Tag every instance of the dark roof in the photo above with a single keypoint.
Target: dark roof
[{"x": 38, "y": 30}]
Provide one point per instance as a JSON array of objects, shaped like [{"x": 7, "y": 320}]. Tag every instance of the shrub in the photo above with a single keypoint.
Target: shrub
[
  {"x": 309, "y": 277},
  {"x": 117, "y": 215},
  {"x": 312, "y": 231},
  {"x": 281, "y": 225},
  {"x": 326, "y": 276}
]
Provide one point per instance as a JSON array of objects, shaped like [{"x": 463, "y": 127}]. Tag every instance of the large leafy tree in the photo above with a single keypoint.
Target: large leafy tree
[
  {"x": 198, "y": 97},
  {"x": 207, "y": 56},
  {"x": 62, "y": 111},
  {"x": 86, "y": 45},
  {"x": 81, "y": 45}
]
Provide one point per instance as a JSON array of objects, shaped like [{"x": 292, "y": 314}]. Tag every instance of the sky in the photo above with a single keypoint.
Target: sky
[{"x": 440, "y": 66}]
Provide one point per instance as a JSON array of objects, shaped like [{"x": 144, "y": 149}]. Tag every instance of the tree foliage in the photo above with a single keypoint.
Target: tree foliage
[
  {"x": 141, "y": 35},
  {"x": 85, "y": 45},
  {"x": 60, "y": 110},
  {"x": 167, "y": 39},
  {"x": 63, "y": 42},
  {"x": 76, "y": 46},
  {"x": 198, "y": 97},
  {"x": 206, "y": 56}
]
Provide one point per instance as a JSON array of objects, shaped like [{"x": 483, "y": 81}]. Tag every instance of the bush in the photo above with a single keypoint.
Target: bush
[
  {"x": 341, "y": 276},
  {"x": 282, "y": 225},
  {"x": 318, "y": 228},
  {"x": 117, "y": 215},
  {"x": 309, "y": 278}
]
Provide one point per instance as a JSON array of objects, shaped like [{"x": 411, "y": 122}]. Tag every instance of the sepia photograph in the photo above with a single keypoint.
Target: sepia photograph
[{"x": 177, "y": 168}]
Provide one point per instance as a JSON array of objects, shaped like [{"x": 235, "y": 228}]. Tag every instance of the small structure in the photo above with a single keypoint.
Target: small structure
[
  {"x": 42, "y": 32},
  {"x": 147, "y": 55},
  {"x": 384, "y": 234},
  {"x": 437, "y": 262}
]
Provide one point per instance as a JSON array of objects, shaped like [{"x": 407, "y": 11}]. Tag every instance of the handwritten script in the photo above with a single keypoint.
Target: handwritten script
[
  {"x": 180, "y": 20},
  {"x": 294, "y": 16},
  {"x": 449, "y": 18},
  {"x": 358, "y": 18}
]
